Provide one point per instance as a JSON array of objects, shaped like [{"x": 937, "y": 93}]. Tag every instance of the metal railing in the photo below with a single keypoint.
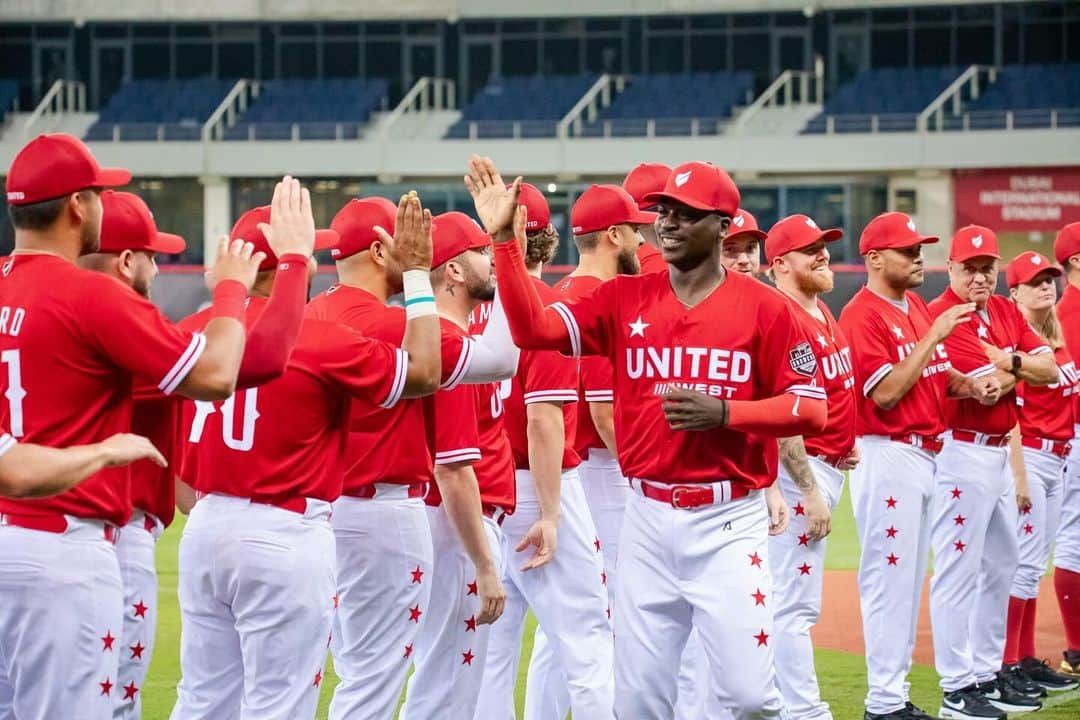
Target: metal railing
[
  {"x": 63, "y": 96},
  {"x": 229, "y": 109},
  {"x": 657, "y": 127},
  {"x": 869, "y": 123},
  {"x": 790, "y": 88},
  {"x": 588, "y": 107},
  {"x": 970, "y": 81},
  {"x": 427, "y": 94},
  {"x": 1038, "y": 119}
]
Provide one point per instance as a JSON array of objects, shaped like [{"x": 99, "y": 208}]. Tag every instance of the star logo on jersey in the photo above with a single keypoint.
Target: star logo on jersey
[
  {"x": 822, "y": 341},
  {"x": 802, "y": 359},
  {"x": 682, "y": 178},
  {"x": 811, "y": 224},
  {"x": 977, "y": 241},
  {"x": 898, "y": 332},
  {"x": 471, "y": 589},
  {"x": 738, "y": 221},
  {"x": 638, "y": 327},
  {"x": 956, "y": 493},
  {"x": 799, "y": 509},
  {"x": 983, "y": 332}
]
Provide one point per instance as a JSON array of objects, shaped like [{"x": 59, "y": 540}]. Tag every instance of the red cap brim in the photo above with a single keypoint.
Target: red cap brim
[
  {"x": 758, "y": 235},
  {"x": 167, "y": 244},
  {"x": 326, "y": 239},
  {"x": 917, "y": 240},
  {"x": 112, "y": 177},
  {"x": 1054, "y": 271},
  {"x": 658, "y": 197},
  {"x": 642, "y": 218}
]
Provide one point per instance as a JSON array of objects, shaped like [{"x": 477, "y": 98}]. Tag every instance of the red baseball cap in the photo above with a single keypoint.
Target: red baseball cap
[
  {"x": 1067, "y": 243},
  {"x": 702, "y": 186},
  {"x": 247, "y": 229},
  {"x": 973, "y": 241},
  {"x": 452, "y": 233},
  {"x": 796, "y": 232},
  {"x": 539, "y": 214},
  {"x": 745, "y": 225},
  {"x": 892, "y": 231},
  {"x": 602, "y": 206},
  {"x": 644, "y": 179},
  {"x": 1026, "y": 266},
  {"x": 355, "y": 225},
  {"x": 52, "y": 166},
  {"x": 128, "y": 224}
]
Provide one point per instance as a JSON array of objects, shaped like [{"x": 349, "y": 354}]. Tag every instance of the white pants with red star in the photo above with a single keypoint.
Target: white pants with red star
[
  {"x": 703, "y": 568},
  {"x": 60, "y": 616},
  {"x": 1067, "y": 541},
  {"x": 892, "y": 492},
  {"x": 798, "y": 568},
  {"x": 975, "y": 558},
  {"x": 135, "y": 551},
  {"x": 450, "y": 649},
  {"x": 256, "y": 591},
  {"x": 570, "y": 602},
  {"x": 1035, "y": 529},
  {"x": 384, "y": 560}
]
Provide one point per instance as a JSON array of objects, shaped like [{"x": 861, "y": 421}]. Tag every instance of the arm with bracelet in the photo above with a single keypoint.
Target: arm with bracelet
[{"x": 422, "y": 342}]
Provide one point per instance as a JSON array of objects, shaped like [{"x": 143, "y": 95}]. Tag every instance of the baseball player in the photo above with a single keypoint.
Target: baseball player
[
  {"x": 473, "y": 492},
  {"x": 71, "y": 342},
  {"x": 564, "y": 588},
  {"x": 257, "y": 579},
  {"x": 384, "y": 551},
  {"x": 644, "y": 179},
  {"x": 975, "y": 514},
  {"x": 1039, "y": 446},
  {"x": 695, "y": 402},
  {"x": 1067, "y": 542},
  {"x": 28, "y": 470},
  {"x": 811, "y": 467},
  {"x": 902, "y": 374}
]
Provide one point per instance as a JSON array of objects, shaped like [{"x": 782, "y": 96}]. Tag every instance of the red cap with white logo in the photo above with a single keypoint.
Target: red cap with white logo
[
  {"x": 1026, "y": 266},
  {"x": 644, "y": 179},
  {"x": 452, "y": 233},
  {"x": 247, "y": 229},
  {"x": 745, "y": 225},
  {"x": 52, "y": 166},
  {"x": 355, "y": 225},
  {"x": 128, "y": 224},
  {"x": 892, "y": 231},
  {"x": 796, "y": 232},
  {"x": 1067, "y": 243},
  {"x": 602, "y": 206},
  {"x": 699, "y": 185},
  {"x": 973, "y": 241},
  {"x": 536, "y": 205}
]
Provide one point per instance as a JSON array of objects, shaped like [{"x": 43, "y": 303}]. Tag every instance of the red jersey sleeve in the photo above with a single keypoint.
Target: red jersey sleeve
[
  {"x": 872, "y": 347},
  {"x": 588, "y": 319},
  {"x": 597, "y": 379},
  {"x": 787, "y": 358},
  {"x": 457, "y": 437},
  {"x": 372, "y": 370},
  {"x": 456, "y": 356},
  {"x": 549, "y": 377},
  {"x": 6, "y": 443},
  {"x": 135, "y": 335}
]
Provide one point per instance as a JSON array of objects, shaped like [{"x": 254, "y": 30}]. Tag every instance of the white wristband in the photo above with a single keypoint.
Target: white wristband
[{"x": 419, "y": 297}]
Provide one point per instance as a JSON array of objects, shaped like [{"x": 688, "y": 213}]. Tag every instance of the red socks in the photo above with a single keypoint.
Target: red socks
[
  {"x": 1013, "y": 630},
  {"x": 1027, "y": 630},
  {"x": 1067, "y": 587}
]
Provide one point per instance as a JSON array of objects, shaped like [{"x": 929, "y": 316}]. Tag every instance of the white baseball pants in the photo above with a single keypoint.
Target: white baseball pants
[
  {"x": 1035, "y": 529},
  {"x": 60, "y": 625},
  {"x": 384, "y": 560},
  {"x": 570, "y": 602},
  {"x": 450, "y": 648},
  {"x": 135, "y": 551},
  {"x": 892, "y": 497},
  {"x": 975, "y": 558},
  {"x": 703, "y": 568},
  {"x": 1067, "y": 541},
  {"x": 256, "y": 591}
]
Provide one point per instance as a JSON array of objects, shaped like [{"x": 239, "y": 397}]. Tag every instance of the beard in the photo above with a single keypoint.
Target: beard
[
  {"x": 480, "y": 289},
  {"x": 141, "y": 286},
  {"x": 628, "y": 263},
  {"x": 814, "y": 283},
  {"x": 90, "y": 240}
]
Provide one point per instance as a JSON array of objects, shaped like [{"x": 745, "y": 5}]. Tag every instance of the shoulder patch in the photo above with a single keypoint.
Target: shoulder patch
[{"x": 802, "y": 359}]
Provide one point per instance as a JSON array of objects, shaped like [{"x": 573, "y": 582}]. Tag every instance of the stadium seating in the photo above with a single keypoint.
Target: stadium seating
[
  {"x": 9, "y": 91},
  {"x": 530, "y": 106},
  {"x": 160, "y": 109},
  {"x": 320, "y": 109},
  {"x": 675, "y": 104},
  {"x": 1031, "y": 92},
  {"x": 885, "y": 100}
]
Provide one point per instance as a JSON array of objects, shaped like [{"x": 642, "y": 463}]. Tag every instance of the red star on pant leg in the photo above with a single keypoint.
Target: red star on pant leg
[
  {"x": 891, "y": 531},
  {"x": 337, "y": 601},
  {"x": 799, "y": 509},
  {"x": 470, "y": 624},
  {"x": 762, "y": 638},
  {"x": 140, "y": 609},
  {"x": 956, "y": 493},
  {"x": 329, "y": 639},
  {"x": 892, "y": 558},
  {"x": 106, "y": 687},
  {"x": 318, "y": 678},
  {"x": 1026, "y": 511},
  {"x": 804, "y": 569},
  {"x": 603, "y": 577},
  {"x": 107, "y": 641},
  {"x": 408, "y": 650},
  {"x": 959, "y": 520},
  {"x": 415, "y": 613},
  {"x": 959, "y": 545},
  {"x": 467, "y": 657},
  {"x": 472, "y": 589},
  {"x": 608, "y": 612},
  {"x": 754, "y": 559},
  {"x": 136, "y": 650},
  {"x": 416, "y": 575},
  {"x": 596, "y": 544},
  {"x": 130, "y": 690},
  {"x": 759, "y": 597},
  {"x": 1029, "y": 528},
  {"x": 890, "y": 502},
  {"x": 804, "y": 539}
]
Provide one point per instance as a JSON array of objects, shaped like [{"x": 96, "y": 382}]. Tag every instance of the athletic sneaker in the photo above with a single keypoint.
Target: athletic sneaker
[
  {"x": 914, "y": 712},
  {"x": 1045, "y": 676},
  {"x": 1001, "y": 695},
  {"x": 1017, "y": 678},
  {"x": 908, "y": 712},
  {"x": 1071, "y": 664},
  {"x": 968, "y": 704}
]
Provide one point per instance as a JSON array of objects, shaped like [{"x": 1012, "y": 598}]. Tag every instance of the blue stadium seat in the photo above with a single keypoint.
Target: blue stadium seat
[
  {"x": 177, "y": 107},
  {"x": 319, "y": 108},
  {"x": 9, "y": 92},
  {"x": 536, "y": 102},
  {"x": 1031, "y": 93}
]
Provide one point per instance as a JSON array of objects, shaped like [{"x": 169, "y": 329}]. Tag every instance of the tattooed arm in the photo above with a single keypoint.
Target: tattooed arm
[{"x": 793, "y": 457}]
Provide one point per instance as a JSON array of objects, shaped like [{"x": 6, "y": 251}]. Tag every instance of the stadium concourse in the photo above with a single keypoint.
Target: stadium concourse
[{"x": 627, "y": 359}]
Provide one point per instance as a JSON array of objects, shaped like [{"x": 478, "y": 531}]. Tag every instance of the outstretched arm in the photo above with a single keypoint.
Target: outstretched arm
[{"x": 494, "y": 354}]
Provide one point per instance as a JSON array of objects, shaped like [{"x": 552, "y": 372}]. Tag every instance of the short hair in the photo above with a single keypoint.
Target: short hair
[
  {"x": 587, "y": 243},
  {"x": 37, "y": 216},
  {"x": 541, "y": 245}
]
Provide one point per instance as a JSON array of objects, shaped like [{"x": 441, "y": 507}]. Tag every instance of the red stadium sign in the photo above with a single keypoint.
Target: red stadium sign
[{"x": 1018, "y": 200}]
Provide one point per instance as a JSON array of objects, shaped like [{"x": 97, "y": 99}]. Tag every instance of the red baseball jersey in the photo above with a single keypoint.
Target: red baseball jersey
[
  {"x": 478, "y": 318},
  {"x": 469, "y": 428},
  {"x": 1047, "y": 411},
  {"x": 596, "y": 378},
  {"x": 655, "y": 343},
  {"x": 881, "y": 334},
  {"x": 156, "y": 417},
  {"x": 1002, "y": 325},
  {"x": 72, "y": 342},
  {"x": 286, "y": 439},
  {"x": 543, "y": 376},
  {"x": 383, "y": 442},
  {"x": 1068, "y": 310},
  {"x": 834, "y": 356},
  {"x": 650, "y": 259}
]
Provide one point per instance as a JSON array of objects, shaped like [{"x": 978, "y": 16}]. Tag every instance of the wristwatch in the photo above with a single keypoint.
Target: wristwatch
[{"x": 1017, "y": 361}]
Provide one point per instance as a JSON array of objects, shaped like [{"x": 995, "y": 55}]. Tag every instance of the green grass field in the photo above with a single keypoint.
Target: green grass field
[{"x": 842, "y": 675}]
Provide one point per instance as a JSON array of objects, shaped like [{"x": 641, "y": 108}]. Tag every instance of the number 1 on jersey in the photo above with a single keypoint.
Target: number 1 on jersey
[{"x": 15, "y": 392}]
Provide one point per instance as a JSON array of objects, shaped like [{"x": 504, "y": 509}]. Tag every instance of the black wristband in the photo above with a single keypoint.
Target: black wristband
[{"x": 1017, "y": 364}]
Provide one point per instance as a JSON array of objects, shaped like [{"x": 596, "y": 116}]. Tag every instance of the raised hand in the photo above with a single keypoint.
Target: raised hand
[
  {"x": 948, "y": 321},
  {"x": 292, "y": 225},
  {"x": 496, "y": 204},
  {"x": 412, "y": 237},
  {"x": 236, "y": 260}
]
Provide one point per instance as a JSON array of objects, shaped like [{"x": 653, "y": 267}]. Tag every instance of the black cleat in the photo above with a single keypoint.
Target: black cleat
[
  {"x": 908, "y": 712},
  {"x": 1046, "y": 677},
  {"x": 914, "y": 712},
  {"x": 1017, "y": 678},
  {"x": 968, "y": 704},
  {"x": 1001, "y": 695}
]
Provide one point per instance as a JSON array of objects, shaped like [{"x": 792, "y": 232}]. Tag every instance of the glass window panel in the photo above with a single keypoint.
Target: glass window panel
[
  {"x": 1072, "y": 42},
  {"x": 741, "y": 20},
  {"x": 113, "y": 31},
  {"x": 479, "y": 27},
  {"x": 298, "y": 30},
  {"x": 150, "y": 60},
  {"x": 382, "y": 28},
  {"x": 975, "y": 44},
  {"x": 16, "y": 32},
  {"x": 933, "y": 14},
  {"x": 932, "y": 46},
  {"x": 562, "y": 56},
  {"x": 761, "y": 202},
  {"x": 192, "y": 30},
  {"x": 824, "y": 203},
  {"x": 178, "y": 208},
  {"x": 1043, "y": 43},
  {"x": 150, "y": 30},
  {"x": 16, "y": 60},
  {"x": 665, "y": 23},
  {"x": 604, "y": 24},
  {"x": 1010, "y": 42},
  {"x": 848, "y": 17},
  {"x": 520, "y": 56},
  {"x": 751, "y": 52},
  {"x": 889, "y": 48},
  {"x": 665, "y": 55},
  {"x": 791, "y": 19},
  {"x": 975, "y": 12},
  {"x": 194, "y": 60},
  {"x": 708, "y": 22},
  {"x": 520, "y": 27},
  {"x": 341, "y": 29},
  {"x": 1042, "y": 11},
  {"x": 889, "y": 16},
  {"x": 297, "y": 59},
  {"x": 341, "y": 59},
  {"x": 236, "y": 60},
  {"x": 604, "y": 55},
  {"x": 708, "y": 53}
]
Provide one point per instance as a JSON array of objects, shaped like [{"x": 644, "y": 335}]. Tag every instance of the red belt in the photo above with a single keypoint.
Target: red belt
[
  {"x": 930, "y": 443},
  {"x": 1060, "y": 448},
  {"x": 494, "y": 512},
  {"x": 981, "y": 438},
  {"x": 148, "y": 523},
  {"x": 416, "y": 490},
  {"x": 688, "y": 496},
  {"x": 56, "y": 524}
]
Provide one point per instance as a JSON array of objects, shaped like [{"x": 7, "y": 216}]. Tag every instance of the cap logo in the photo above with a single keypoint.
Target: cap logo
[
  {"x": 911, "y": 225},
  {"x": 16, "y": 195},
  {"x": 810, "y": 223},
  {"x": 739, "y": 221},
  {"x": 682, "y": 178},
  {"x": 977, "y": 241},
  {"x": 1036, "y": 260}
]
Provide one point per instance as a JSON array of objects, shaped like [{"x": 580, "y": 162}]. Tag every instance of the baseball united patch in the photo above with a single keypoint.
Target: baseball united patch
[{"x": 802, "y": 359}]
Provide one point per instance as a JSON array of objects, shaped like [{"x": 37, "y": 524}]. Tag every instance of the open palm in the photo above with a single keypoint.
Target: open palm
[{"x": 495, "y": 202}]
